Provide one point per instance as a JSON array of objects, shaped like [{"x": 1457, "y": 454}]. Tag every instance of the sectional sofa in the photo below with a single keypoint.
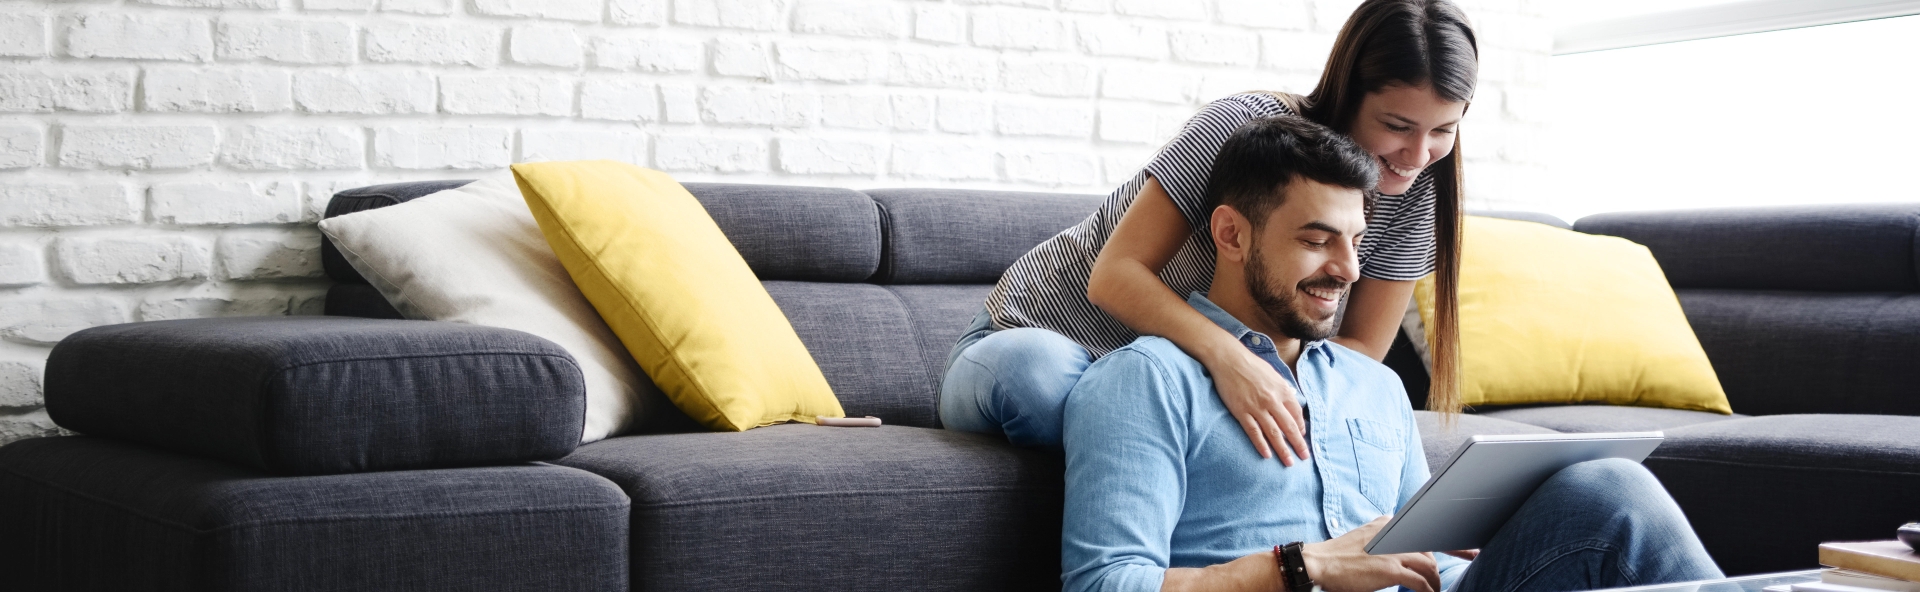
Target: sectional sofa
[{"x": 361, "y": 451}]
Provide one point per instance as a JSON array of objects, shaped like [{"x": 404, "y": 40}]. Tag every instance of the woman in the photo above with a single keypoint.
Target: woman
[{"x": 1398, "y": 81}]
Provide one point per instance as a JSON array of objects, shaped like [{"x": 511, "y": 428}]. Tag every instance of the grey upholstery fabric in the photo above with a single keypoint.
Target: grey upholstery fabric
[
  {"x": 954, "y": 236},
  {"x": 939, "y": 313},
  {"x": 1547, "y": 219},
  {"x": 1763, "y": 492},
  {"x": 1828, "y": 247},
  {"x": 1604, "y": 418},
  {"x": 802, "y": 507},
  {"x": 81, "y": 513},
  {"x": 367, "y": 198},
  {"x": 865, "y": 344},
  {"x": 797, "y": 233},
  {"x": 1811, "y": 352},
  {"x": 311, "y": 395},
  {"x": 359, "y": 300},
  {"x": 1440, "y": 440}
]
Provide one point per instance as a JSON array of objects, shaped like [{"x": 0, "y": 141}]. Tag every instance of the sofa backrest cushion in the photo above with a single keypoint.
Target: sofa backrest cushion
[
  {"x": 1826, "y": 248},
  {"x": 786, "y": 232},
  {"x": 1810, "y": 352},
  {"x": 959, "y": 236},
  {"x": 882, "y": 348}
]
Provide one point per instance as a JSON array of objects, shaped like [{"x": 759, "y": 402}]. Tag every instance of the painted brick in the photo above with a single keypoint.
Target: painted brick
[
  {"x": 35, "y": 89},
  {"x": 913, "y": 112},
  {"x": 759, "y": 15},
  {"x": 505, "y": 94},
  {"x": 21, "y": 264},
  {"x": 1220, "y": 84},
  {"x": 747, "y": 58},
  {"x": 319, "y": 193},
  {"x": 254, "y": 4},
  {"x": 1118, "y": 168},
  {"x": 862, "y": 111},
  {"x": 940, "y": 24},
  {"x": 444, "y": 44},
  {"x": 45, "y": 321},
  {"x": 189, "y": 203},
  {"x": 20, "y": 147},
  {"x": 290, "y": 41},
  {"x": 1051, "y": 168},
  {"x": 142, "y": 36},
  {"x": 1043, "y": 119},
  {"x": 850, "y": 18},
  {"x": 648, "y": 53},
  {"x": 20, "y": 384},
  {"x": 1292, "y": 15},
  {"x": 831, "y": 62},
  {"x": 942, "y": 69},
  {"x": 1123, "y": 39},
  {"x": 619, "y": 99},
  {"x": 136, "y": 146},
  {"x": 65, "y": 204},
  {"x": 294, "y": 147},
  {"x": 812, "y": 156},
  {"x": 1522, "y": 103},
  {"x": 1130, "y": 123},
  {"x": 1019, "y": 29},
  {"x": 1195, "y": 10},
  {"x": 270, "y": 254},
  {"x": 545, "y": 45},
  {"x": 1330, "y": 15},
  {"x": 167, "y": 309},
  {"x": 1149, "y": 83},
  {"x": 1216, "y": 46},
  {"x": 1047, "y": 77},
  {"x": 222, "y": 90},
  {"x": 23, "y": 35},
  {"x": 353, "y": 5},
  {"x": 681, "y": 103},
  {"x": 565, "y": 10},
  {"x": 943, "y": 160},
  {"x": 1298, "y": 51},
  {"x": 369, "y": 92},
  {"x": 965, "y": 114},
  {"x": 701, "y": 152},
  {"x": 757, "y": 105},
  {"x": 311, "y": 304},
  {"x": 548, "y": 144},
  {"x": 1093, "y": 6},
  {"x": 431, "y": 147},
  {"x": 134, "y": 259},
  {"x": 434, "y": 7},
  {"x": 637, "y": 12},
  {"x": 32, "y": 424}
]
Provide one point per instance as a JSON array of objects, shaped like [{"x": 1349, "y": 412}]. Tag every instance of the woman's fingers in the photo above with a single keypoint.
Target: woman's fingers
[
  {"x": 1275, "y": 435},
  {"x": 1296, "y": 436},
  {"x": 1253, "y": 433}
]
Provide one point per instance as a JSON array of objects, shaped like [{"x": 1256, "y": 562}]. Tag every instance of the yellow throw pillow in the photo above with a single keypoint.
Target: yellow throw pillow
[
  {"x": 675, "y": 291},
  {"x": 1555, "y": 316}
]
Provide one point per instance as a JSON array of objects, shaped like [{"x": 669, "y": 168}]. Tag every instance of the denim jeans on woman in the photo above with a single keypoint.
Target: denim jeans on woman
[{"x": 1011, "y": 382}]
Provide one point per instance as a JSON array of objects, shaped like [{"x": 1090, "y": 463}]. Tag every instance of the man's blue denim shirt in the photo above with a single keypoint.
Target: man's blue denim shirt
[{"x": 1160, "y": 475}]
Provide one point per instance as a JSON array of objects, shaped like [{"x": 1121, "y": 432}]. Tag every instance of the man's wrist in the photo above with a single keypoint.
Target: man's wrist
[{"x": 1294, "y": 574}]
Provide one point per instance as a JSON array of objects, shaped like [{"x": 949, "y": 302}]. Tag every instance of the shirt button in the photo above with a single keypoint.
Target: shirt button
[{"x": 1253, "y": 340}]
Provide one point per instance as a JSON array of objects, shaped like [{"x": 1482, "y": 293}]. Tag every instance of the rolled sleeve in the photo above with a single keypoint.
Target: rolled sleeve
[{"x": 1125, "y": 438}]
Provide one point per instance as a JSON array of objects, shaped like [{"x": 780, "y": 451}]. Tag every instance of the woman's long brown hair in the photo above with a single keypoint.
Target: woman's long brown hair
[{"x": 1413, "y": 43}]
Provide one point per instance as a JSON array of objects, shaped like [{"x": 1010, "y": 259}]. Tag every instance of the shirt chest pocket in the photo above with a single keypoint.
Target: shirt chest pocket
[{"x": 1379, "y": 451}]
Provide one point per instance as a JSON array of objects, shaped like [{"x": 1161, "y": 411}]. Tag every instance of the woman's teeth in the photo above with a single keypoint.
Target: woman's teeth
[{"x": 1397, "y": 170}]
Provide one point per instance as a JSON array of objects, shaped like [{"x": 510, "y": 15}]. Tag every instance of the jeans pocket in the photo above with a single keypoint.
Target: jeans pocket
[{"x": 1379, "y": 453}]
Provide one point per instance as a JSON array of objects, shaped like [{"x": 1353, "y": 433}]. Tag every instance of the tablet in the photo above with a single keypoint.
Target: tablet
[{"x": 1476, "y": 491}]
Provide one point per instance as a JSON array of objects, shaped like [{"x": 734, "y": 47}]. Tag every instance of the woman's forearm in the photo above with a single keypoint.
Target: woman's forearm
[
  {"x": 1374, "y": 310},
  {"x": 1136, "y": 297}
]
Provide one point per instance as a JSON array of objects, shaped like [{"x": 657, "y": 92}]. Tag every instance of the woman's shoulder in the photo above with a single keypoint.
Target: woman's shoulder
[{"x": 1248, "y": 105}]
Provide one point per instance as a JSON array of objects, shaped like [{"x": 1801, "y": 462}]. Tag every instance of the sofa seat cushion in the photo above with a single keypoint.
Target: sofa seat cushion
[
  {"x": 820, "y": 508},
  {"x": 1762, "y": 492},
  {"x": 84, "y": 513},
  {"x": 1604, "y": 418},
  {"x": 1441, "y": 440}
]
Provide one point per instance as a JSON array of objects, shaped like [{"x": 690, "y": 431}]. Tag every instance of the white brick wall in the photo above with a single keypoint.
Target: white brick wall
[{"x": 164, "y": 159}]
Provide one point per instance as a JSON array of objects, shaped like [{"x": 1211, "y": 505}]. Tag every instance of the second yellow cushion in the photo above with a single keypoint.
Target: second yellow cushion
[
  {"x": 1555, "y": 316},
  {"x": 675, "y": 291}
]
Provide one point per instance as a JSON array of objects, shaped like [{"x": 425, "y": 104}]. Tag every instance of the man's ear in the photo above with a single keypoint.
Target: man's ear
[{"x": 1232, "y": 233}]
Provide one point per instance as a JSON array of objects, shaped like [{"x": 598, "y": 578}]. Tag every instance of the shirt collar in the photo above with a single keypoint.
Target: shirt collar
[{"x": 1246, "y": 335}]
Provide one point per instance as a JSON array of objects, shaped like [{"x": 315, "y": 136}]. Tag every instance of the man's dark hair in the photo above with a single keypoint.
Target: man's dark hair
[{"x": 1256, "y": 163}]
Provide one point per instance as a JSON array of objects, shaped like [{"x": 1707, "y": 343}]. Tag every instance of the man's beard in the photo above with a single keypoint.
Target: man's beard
[{"x": 1284, "y": 306}]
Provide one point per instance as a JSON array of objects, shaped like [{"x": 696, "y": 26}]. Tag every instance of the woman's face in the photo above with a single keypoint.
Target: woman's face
[{"x": 1407, "y": 129}]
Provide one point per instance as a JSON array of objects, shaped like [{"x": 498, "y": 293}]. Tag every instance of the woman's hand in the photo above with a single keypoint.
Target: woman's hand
[{"x": 1262, "y": 401}]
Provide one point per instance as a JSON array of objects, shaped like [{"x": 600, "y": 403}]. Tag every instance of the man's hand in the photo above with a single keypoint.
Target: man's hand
[
  {"x": 1262, "y": 402},
  {"x": 1343, "y": 565}
]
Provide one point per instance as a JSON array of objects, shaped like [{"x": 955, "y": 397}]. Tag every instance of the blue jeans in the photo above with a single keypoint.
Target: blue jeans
[
  {"x": 1598, "y": 524},
  {"x": 1011, "y": 382}
]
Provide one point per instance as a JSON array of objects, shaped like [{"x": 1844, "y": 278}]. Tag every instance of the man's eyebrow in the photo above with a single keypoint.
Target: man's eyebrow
[{"x": 1322, "y": 227}]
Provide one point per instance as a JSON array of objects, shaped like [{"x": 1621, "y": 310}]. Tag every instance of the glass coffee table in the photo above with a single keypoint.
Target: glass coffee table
[{"x": 1751, "y": 583}]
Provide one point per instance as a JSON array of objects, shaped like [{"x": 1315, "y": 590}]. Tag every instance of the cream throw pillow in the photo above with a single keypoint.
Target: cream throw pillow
[{"x": 475, "y": 255}]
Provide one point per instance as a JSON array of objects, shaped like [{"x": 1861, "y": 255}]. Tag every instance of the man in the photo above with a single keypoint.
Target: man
[{"x": 1164, "y": 492}]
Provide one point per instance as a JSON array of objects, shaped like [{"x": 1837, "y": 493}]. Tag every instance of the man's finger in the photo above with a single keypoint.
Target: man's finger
[
  {"x": 1298, "y": 435},
  {"x": 1273, "y": 433},
  {"x": 1467, "y": 554},
  {"x": 1416, "y": 582},
  {"x": 1253, "y": 433},
  {"x": 1423, "y": 564}
]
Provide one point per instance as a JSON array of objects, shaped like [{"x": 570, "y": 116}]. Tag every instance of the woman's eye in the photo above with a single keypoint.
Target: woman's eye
[{"x": 1398, "y": 128}]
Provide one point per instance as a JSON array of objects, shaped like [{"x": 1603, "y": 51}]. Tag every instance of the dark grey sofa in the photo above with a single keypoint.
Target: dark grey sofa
[{"x": 376, "y": 453}]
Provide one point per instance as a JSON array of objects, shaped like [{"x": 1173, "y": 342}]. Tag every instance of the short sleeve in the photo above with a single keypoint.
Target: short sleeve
[
  {"x": 1183, "y": 165},
  {"x": 1402, "y": 246}
]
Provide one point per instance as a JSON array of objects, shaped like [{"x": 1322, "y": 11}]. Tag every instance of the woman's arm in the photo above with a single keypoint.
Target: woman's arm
[
  {"x": 1374, "y": 310},
  {"x": 1126, "y": 284}
]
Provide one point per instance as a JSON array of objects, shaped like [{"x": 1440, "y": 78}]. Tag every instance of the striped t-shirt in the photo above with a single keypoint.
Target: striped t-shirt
[{"x": 1047, "y": 287}]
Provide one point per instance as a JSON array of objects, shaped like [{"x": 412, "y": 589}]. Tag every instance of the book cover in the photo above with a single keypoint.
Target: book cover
[
  {"x": 1848, "y": 577},
  {"x": 1882, "y": 558}
]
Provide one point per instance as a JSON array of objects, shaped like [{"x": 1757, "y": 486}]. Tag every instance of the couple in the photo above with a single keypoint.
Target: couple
[{"x": 1242, "y": 435}]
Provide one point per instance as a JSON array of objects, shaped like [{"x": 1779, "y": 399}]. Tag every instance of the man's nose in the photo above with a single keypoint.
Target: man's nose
[{"x": 1345, "y": 265}]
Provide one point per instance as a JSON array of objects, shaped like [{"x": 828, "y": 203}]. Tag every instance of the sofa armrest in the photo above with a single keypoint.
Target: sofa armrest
[{"x": 319, "y": 395}]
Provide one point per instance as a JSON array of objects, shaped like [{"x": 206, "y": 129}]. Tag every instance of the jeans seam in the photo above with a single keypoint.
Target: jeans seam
[
  {"x": 994, "y": 385},
  {"x": 1564, "y": 550}
]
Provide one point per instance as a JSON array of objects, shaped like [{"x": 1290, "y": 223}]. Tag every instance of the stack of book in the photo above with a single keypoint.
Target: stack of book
[{"x": 1873, "y": 566}]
